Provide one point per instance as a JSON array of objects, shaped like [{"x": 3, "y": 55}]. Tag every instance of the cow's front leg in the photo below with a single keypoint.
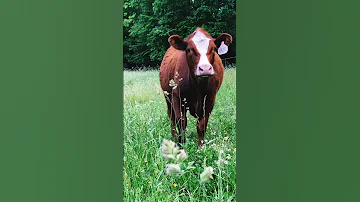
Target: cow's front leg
[
  {"x": 201, "y": 129},
  {"x": 171, "y": 115},
  {"x": 204, "y": 111},
  {"x": 180, "y": 118}
]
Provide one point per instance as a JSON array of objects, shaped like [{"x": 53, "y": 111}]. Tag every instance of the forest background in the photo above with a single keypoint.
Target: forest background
[{"x": 149, "y": 23}]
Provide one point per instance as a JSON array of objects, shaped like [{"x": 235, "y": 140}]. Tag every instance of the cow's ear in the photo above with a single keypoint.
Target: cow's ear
[
  {"x": 222, "y": 43},
  {"x": 177, "y": 42}
]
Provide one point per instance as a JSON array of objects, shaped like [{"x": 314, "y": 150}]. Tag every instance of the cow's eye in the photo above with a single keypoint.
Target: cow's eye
[
  {"x": 187, "y": 50},
  {"x": 215, "y": 49}
]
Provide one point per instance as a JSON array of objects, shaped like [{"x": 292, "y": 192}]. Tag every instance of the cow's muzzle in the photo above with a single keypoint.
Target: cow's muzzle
[{"x": 205, "y": 71}]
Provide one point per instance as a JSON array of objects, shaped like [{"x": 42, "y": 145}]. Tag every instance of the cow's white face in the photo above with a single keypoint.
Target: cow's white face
[
  {"x": 201, "y": 49},
  {"x": 202, "y": 42}
]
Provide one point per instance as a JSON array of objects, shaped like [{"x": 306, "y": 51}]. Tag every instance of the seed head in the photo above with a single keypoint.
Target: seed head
[
  {"x": 206, "y": 175},
  {"x": 181, "y": 156},
  {"x": 173, "y": 169},
  {"x": 169, "y": 149}
]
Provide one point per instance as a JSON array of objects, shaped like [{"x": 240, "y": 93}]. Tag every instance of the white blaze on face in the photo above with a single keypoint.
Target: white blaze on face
[{"x": 202, "y": 44}]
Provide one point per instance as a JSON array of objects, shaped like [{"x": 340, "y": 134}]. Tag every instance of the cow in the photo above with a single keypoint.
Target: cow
[{"x": 191, "y": 74}]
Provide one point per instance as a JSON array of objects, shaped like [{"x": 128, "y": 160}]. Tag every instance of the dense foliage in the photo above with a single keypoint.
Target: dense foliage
[{"x": 149, "y": 23}]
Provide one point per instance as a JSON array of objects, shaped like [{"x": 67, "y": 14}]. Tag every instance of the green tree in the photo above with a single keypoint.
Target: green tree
[
  {"x": 148, "y": 25},
  {"x": 138, "y": 21}
]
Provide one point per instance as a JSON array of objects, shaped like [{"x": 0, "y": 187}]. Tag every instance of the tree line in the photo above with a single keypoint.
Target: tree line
[{"x": 149, "y": 23}]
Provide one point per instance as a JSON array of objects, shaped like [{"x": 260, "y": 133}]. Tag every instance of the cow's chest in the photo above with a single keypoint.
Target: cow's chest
[{"x": 193, "y": 101}]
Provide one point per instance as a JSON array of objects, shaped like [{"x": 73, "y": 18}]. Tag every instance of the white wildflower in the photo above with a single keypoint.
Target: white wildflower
[
  {"x": 169, "y": 156},
  {"x": 172, "y": 83},
  {"x": 181, "y": 156},
  {"x": 206, "y": 175},
  {"x": 169, "y": 149},
  {"x": 173, "y": 169}
]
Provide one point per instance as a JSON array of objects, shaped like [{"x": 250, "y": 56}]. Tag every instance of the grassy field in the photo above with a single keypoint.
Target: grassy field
[{"x": 147, "y": 124}]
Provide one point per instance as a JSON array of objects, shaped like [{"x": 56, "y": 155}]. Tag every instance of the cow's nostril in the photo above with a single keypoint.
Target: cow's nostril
[{"x": 200, "y": 69}]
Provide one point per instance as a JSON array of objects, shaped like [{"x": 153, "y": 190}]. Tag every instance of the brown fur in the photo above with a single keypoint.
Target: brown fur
[{"x": 193, "y": 94}]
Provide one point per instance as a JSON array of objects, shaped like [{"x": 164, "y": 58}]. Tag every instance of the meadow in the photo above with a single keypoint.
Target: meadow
[{"x": 146, "y": 124}]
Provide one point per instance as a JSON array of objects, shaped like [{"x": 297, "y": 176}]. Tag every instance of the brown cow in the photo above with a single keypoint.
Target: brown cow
[{"x": 191, "y": 74}]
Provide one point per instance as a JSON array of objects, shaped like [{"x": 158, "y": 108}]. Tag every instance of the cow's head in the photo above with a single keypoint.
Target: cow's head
[{"x": 200, "y": 49}]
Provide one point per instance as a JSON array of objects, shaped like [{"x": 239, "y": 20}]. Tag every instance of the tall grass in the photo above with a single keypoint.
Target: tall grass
[{"x": 147, "y": 124}]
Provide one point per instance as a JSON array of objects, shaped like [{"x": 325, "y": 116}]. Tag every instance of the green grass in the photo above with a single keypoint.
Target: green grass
[{"x": 147, "y": 124}]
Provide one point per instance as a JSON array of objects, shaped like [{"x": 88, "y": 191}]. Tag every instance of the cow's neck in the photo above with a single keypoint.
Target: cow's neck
[{"x": 202, "y": 84}]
